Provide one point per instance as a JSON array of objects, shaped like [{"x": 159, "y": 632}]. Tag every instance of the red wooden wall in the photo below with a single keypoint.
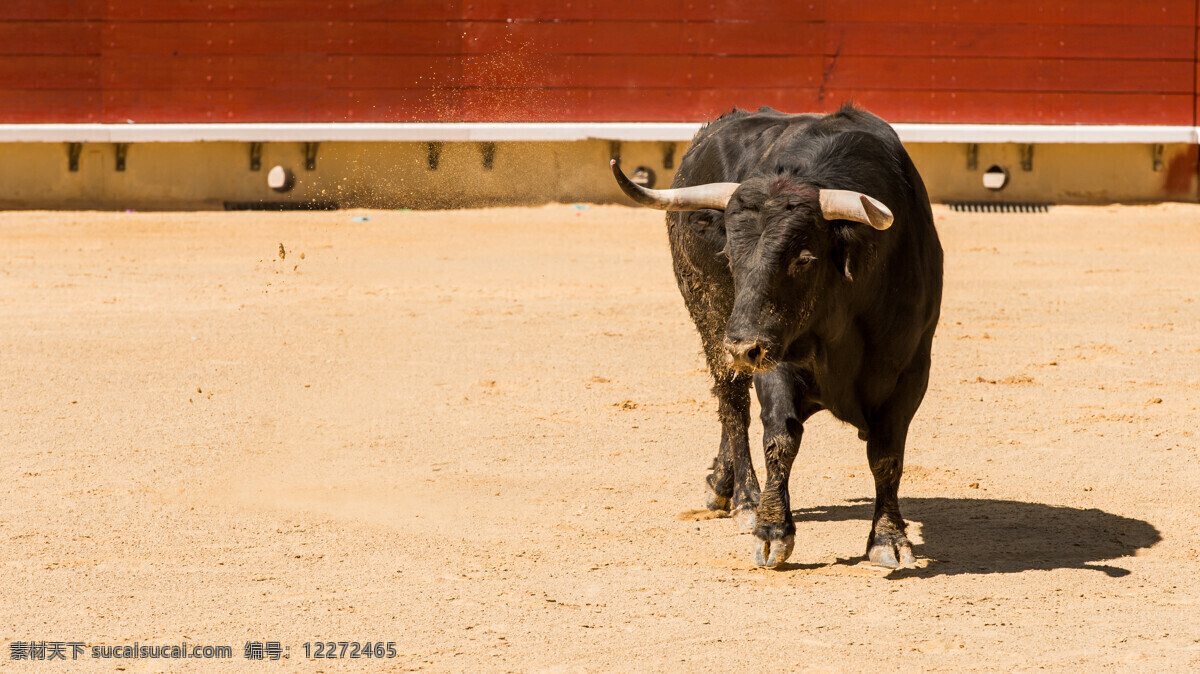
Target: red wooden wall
[{"x": 992, "y": 61}]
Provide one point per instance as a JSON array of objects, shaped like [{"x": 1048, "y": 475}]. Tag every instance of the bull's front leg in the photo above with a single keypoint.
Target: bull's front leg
[
  {"x": 782, "y": 430},
  {"x": 732, "y": 485}
]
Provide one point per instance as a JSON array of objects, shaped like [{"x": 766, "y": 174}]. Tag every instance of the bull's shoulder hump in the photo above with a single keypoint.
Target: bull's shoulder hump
[
  {"x": 850, "y": 119},
  {"x": 749, "y": 135},
  {"x": 750, "y": 124}
]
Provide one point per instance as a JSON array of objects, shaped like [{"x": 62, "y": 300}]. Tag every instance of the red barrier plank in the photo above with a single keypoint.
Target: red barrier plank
[
  {"x": 617, "y": 104},
  {"x": 400, "y": 72},
  {"x": 282, "y": 10},
  {"x": 616, "y": 37},
  {"x": 280, "y": 71},
  {"x": 281, "y": 105},
  {"x": 697, "y": 105},
  {"x": 1075, "y": 12},
  {"x": 51, "y": 10},
  {"x": 758, "y": 71},
  {"x": 712, "y": 103},
  {"x": 1010, "y": 41},
  {"x": 578, "y": 10},
  {"x": 522, "y": 105},
  {"x": 410, "y": 10},
  {"x": 291, "y": 37},
  {"x": 646, "y": 104},
  {"x": 30, "y": 38},
  {"x": 399, "y": 105},
  {"x": 992, "y": 74},
  {"x": 49, "y": 106},
  {"x": 637, "y": 37},
  {"x": 614, "y": 105},
  {"x": 1062, "y": 12},
  {"x": 1023, "y": 108},
  {"x": 49, "y": 72},
  {"x": 625, "y": 104},
  {"x": 781, "y": 38},
  {"x": 763, "y": 12},
  {"x": 577, "y": 37},
  {"x": 571, "y": 105},
  {"x": 533, "y": 70},
  {"x": 639, "y": 10}
]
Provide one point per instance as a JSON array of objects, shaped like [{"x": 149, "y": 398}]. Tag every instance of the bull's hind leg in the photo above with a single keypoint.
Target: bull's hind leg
[
  {"x": 702, "y": 271},
  {"x": 720, "y": 480},
  {"x": 887, "y": 544},
  {"x": 732, "y": 485}
]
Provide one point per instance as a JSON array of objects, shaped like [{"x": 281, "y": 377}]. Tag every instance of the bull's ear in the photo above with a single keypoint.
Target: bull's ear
[
  {"x": 709, "y": 226},
  {"x": 842, "y": 255}
]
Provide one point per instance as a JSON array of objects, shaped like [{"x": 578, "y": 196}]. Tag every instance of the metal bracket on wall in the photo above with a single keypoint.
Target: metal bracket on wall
[
  {"x": 1027, "y": 157},
  {"x": 614, "y": 150},
  {"x": 310, "y": 156},
  {"x": 73, "y": 152},
  {"x": 256, "y": 156},
  {"x": 433, "y": 154},
  {"x": 488, "y": 150},
  {"x": 1157, "y": 153},
  {"x": 668, "y": 155},
  {"x": 122, "y": 152},
  {"x": 972, "y": 156}
]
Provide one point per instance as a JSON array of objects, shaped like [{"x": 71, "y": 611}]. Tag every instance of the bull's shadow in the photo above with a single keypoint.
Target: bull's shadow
[{"x": 977, "y": 536}]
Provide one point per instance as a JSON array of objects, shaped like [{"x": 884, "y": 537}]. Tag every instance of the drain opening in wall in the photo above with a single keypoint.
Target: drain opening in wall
[{"x": 995, "y": 178}]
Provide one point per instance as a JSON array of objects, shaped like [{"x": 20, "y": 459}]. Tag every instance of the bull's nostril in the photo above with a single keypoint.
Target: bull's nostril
[{"x": 754, "y": 354}]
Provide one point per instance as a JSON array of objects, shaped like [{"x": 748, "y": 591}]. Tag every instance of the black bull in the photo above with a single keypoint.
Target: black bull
[{"x": 805, "y": 250}]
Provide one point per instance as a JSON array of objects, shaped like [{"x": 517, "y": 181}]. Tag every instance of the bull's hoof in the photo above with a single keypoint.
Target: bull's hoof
[
  {"x": 745, "y": 519},
  {"x": 773, "y": 553},
  {"x": 892, "y": 551},
  {"x": 713, "y": 500}
]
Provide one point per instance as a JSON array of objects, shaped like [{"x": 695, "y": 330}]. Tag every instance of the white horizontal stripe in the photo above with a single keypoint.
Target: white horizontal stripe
[{"x": 557, "y": 131}]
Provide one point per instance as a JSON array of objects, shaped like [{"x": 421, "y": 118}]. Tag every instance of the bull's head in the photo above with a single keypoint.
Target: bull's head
[{"x": 787, "y": 242}]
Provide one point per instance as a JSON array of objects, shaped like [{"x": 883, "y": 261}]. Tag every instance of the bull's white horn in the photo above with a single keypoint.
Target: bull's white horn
[
  {"x": 711, "y": 195},
  {"x": 856, "y": 206}
]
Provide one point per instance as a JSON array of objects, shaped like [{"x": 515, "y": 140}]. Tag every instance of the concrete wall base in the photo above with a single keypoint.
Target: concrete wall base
[{"x": 208, "y": 175}]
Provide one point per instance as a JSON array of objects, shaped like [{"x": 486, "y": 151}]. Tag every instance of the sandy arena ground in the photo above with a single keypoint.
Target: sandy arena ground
[{"x": 482, "y": 435}]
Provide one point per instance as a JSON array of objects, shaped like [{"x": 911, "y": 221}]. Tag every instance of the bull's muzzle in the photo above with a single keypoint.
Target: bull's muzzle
[{"x": 747, "y": 356}]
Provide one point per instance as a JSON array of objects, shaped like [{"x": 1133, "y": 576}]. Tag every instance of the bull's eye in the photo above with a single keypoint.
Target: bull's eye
[{"x": 801, "y": 262}]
